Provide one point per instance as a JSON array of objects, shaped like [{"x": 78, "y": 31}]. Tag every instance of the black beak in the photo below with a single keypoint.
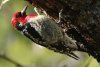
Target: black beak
[{"x": 23, "y": 12}]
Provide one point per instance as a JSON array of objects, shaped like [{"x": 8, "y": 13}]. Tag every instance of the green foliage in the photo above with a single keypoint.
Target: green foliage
[{"x": 23, "y": 51}]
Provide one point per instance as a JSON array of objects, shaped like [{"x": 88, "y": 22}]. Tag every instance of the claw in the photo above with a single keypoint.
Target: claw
[{"x": 60, "y": 15}]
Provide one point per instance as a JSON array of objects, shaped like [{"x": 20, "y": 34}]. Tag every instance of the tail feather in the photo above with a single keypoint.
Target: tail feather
[{"x": 71, "y": 54}]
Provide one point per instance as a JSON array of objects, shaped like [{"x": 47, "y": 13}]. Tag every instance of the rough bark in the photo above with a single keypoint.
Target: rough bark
[{"x": 80, "y": 19}]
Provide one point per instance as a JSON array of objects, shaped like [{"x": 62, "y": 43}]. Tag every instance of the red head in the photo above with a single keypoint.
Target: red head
[{"x": 21, "y": 17}]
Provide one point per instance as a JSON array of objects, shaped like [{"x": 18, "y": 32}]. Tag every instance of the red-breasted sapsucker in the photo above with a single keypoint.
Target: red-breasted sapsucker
[{"x": 44, "y": 31}]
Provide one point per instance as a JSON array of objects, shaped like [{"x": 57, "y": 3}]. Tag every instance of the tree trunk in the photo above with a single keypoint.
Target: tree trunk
[{"x": 80, "y": 19}]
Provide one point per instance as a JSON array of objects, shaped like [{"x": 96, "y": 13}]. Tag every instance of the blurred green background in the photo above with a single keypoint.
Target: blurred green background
[{"x": 21, "y": 50}]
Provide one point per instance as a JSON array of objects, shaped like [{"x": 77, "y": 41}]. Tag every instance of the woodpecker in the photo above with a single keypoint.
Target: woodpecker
[{"x": 44, "y": 31}]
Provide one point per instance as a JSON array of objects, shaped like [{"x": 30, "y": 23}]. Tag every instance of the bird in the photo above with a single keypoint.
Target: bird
[{"x": 44, "y": 31}]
